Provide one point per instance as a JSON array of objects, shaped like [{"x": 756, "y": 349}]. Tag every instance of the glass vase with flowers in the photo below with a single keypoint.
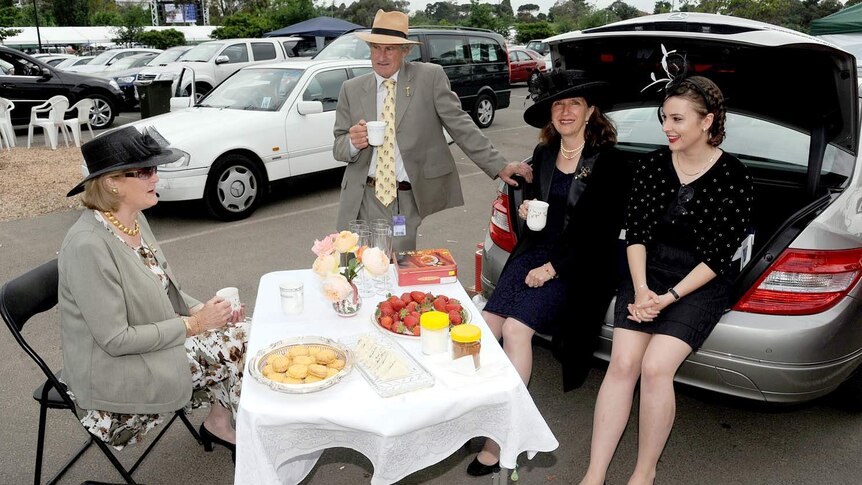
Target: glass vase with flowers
[{"x": 338, "y": 284}]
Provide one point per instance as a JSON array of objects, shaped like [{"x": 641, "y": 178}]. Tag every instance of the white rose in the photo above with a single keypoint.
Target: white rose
[
  {"x": 325, "y": 264},
  {"x": 375, "y": 261},
  {"x": 346, "y": 241},
  {"x": 336, "y": 287}
]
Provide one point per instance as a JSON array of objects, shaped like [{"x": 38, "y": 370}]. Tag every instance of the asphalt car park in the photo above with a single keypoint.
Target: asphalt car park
[{"x": 716, "y": 440}]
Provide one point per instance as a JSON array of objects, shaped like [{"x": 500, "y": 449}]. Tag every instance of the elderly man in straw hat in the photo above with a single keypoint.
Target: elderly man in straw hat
[{"x": 412, "y": 173}]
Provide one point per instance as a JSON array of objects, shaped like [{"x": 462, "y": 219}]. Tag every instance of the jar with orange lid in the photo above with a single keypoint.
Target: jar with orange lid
[
  {"x": 435, "y": 332},
  {"x": 466, "y": 340}
]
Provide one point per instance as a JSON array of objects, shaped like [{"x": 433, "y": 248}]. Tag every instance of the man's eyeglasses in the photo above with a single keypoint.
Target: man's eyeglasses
[
  {"x": 141, "y": 173},
  {"x": 683, "y": 196}
]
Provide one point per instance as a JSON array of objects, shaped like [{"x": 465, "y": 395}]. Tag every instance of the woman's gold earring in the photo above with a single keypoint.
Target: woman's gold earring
[{"x": 115, "y": 191}]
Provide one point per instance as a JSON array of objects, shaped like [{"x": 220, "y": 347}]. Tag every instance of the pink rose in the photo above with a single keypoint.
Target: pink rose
[
  {"x": 375, "y": 261},
  {"x": 325, "y": 264},
  {"x": 346, "y": 241},
  {"x": 336, "y": 287},
  {"x": 326, "y": 246}
]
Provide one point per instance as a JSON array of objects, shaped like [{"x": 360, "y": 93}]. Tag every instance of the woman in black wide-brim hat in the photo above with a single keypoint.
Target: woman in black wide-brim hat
[
  {"x": 560, "y": 280},
  {"x": 135, "y": 345}
]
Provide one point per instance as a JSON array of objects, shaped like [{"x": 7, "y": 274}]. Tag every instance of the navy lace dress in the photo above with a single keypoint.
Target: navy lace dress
[{"x": 536, "y": 307}]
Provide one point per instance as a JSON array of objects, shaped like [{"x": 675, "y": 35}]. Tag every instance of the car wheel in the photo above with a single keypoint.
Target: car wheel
[
  {"x": 234, "y": 188},
  {"x": 201, "y": 90},
  {"x": 534, "y": 76},
  {"x": 103, "y": 112},
  {"x": 483, "y": 111},
  {"x": 850, "y": 392}
]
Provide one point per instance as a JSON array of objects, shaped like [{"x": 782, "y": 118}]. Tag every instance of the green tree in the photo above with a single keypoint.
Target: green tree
[
  {"x": 71, "y": 12},
  {"x": 569, "y": 13},
  {"x": 162, "y": 39},
  {"x": 662, "y": 7},
  {"x": 362, "y": 12},
  {"x": 533, "y": 30},
  {"x": 289, "y": 12},
  {"x": 482, "y": 16},
  {"x": 106, "y": 17},
  {"x": 597, "y": 19},
  {"x": 4, "y": 33},
  {"x": 439, "y": 12},
  {"x": 243, "y": 25},
  {"x": 623, "y": 11},
  {"x": 133, "y": 20},
  {"x": 527, "y": 12},
  {"x": 506, "y": 9},
  {"x": 24, "y": 17}
]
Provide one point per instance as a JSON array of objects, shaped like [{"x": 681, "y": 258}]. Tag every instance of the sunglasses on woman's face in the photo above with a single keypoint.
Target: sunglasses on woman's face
[
  {"x": 141, "y": 173},
  {"x": 683, "y": 196}
]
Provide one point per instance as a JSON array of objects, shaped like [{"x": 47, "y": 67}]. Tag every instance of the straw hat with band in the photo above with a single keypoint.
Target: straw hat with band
[
  {"x": 549, "y": 87},
  {"x": 125, "y": 149},
  {"x": 388, "y": 28}
]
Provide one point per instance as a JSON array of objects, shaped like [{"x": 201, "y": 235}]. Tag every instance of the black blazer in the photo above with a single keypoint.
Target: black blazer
[{"x": 587, "y": 254}]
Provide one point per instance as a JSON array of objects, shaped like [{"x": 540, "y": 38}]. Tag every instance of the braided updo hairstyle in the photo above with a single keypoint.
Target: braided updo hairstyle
[{"x": 706, "y": 98}]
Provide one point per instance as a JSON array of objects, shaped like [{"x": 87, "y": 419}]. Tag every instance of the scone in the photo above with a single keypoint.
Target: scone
[
  {"x": 304, "y": 360},
  {"x": 280, "y": 363},
  {"x": 292, "y": 380},
  {"x": 325, "y": 356},
  {"x": 317, "y": 370},
  {"x": 337, "y": 364},
  {"x": 298, "y": 371},
  {"x": 312, "y": 378},
  {"x": 331, "y": 372},
  {"x": 298, "y": 350},
  {"x": 267, "y": 370}
]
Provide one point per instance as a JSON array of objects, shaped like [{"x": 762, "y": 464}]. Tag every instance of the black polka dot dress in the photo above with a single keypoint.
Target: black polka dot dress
[{"x": 683, "y": 225}]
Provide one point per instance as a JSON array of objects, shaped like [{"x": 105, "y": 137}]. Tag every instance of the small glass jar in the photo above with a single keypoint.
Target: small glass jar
[
  {"x": 435, "y": 332},
  {"x": 466, "y": 340}
]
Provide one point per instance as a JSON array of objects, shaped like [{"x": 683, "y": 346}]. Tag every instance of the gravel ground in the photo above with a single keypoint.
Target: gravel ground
[{"x": 34, "y": 181}]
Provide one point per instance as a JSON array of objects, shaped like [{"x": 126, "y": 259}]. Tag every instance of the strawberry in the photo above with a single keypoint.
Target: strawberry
[
  {"x": 386, "y": 308},
  {"x": 406, "y": 298},
  {"x": 398, "y": 304},
  {"x": 416, "y": 330},
  {"x": 412, "y": 306},
  {"x": 386, "y": 322},
  {"x": 398, "y": 328},
  {"x": 417, "y": 296},
  {"x": 392, "y": 299},
  {"x": 416, "y": 315},
  {"x": 453, "y": 307},
  {"x": 444, "y": 297},
  {"x": 455, "y": 301},
  {"x": 440, "y": 304},
  {"x": 455, "y": 318},
  {"x": 402, "y": 313},
  {"x": 410, "y": 321}
]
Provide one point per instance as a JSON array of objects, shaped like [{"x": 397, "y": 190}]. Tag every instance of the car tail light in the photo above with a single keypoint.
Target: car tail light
[
  {"x": 803, "y": 282},
  {"x": 501, "y": 224}
]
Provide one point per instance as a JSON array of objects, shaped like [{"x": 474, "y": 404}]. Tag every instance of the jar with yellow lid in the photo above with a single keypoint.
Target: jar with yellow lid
[
  {"x": 435, "y": 332},
  {"x": 466, "y": 340}
]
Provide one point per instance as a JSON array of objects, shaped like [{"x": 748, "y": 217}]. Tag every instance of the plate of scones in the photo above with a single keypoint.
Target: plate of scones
[{"x": 301, "y": 364}]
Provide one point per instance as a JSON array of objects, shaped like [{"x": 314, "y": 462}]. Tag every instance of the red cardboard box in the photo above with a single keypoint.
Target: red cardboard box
[{"x": 426, "y": 267}]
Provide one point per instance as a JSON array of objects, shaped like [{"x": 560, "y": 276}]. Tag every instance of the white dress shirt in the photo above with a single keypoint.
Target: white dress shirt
[{"x": 400, "y": 173}]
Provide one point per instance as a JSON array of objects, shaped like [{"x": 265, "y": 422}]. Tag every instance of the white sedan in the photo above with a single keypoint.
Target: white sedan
[{"x": 265, "y": 123}]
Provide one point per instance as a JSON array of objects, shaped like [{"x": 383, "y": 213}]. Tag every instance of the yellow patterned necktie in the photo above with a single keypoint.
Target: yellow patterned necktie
[{"x": 384, "y": 187}]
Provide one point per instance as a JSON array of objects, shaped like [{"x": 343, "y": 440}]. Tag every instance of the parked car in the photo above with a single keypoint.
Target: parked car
[
  {"x": 53, "y": 59},
  {"x": 264, "y": 123},
  {"x": 539, "y": 45},
  {"x": 73, "y": 61},
  {"x": 524, "y": 65},
  {"x": 125, "y": 71},
  {"x": 212, "y": 62},
  {"x": 29, "y": 82},
  {"x": 475, "y": 61},
  {"x": 105, "y": 59},
  {"x": 792, "y": 333}
]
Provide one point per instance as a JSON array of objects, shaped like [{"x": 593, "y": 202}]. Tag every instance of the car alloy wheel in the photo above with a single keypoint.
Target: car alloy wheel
[
  {"x": 483, "y": 112},
  {"x": 234, "y": 188},
  {"x": 102, "y": 114},
  {"x": 533, "y": 77}
]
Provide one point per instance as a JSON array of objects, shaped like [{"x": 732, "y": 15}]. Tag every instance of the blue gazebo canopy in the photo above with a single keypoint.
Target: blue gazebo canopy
[{"x": 316, "y": 27}]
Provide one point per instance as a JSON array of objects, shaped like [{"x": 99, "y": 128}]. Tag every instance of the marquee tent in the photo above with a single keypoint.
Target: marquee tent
[
  {"x": 316, "y": 27},
  {"x": 93, "y": 35},
  {"x": 843, "y": 28}
]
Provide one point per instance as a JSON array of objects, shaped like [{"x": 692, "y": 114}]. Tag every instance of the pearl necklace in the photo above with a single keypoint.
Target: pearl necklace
[
  {"x": 570, "y": 154},
  {"x": 708, "y": 163},
  {"x": 119, "y": 225}
]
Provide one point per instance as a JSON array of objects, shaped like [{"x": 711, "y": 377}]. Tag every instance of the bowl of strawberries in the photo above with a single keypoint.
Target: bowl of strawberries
[{"x": 400, "y": 315}]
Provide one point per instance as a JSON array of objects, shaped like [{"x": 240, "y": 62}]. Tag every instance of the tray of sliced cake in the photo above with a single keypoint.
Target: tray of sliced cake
[{"x": 389, "y": 368}]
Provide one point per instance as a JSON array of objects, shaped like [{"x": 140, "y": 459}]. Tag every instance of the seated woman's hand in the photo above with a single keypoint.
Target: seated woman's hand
[
  {"x": 537, "y": 277},
  {"x": 237, "y": 315},
  {"x": 522, "y": 210},
  {"x": 646, "y": 307},
  {"x": 213, "y": 314}
]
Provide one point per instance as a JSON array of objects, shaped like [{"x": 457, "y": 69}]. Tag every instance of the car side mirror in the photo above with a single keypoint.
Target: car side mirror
[
  {"x": 309, "y": 107},
  {"x": 46, "y": 74},
  {"x": 222, "y": 60}
]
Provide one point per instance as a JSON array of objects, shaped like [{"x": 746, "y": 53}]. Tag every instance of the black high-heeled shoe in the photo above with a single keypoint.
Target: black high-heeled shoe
[
  {"x": 478, "y": 469},
  {"x": 208, "y": 439}
]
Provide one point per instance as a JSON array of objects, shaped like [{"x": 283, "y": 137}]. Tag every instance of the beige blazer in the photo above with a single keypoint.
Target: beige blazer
[
  {"x": 123, "y": 343},
  {"x": 419, "y": 122}
]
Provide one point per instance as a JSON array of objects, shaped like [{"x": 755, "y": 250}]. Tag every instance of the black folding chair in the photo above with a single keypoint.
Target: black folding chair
[{"x": 20, "y": 299}]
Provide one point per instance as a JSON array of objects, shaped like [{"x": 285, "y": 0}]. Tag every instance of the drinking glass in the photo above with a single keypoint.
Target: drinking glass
[
  {"x": 363, "y": 279},
  {"x": 382, "y": 237}
]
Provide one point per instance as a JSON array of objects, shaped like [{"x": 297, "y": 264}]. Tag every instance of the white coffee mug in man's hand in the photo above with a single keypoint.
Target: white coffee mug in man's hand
[
  {"x": 537, "y": 215},
  {"x": 376, "y": 132}
]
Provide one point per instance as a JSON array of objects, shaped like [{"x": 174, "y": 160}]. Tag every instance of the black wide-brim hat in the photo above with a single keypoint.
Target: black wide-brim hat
[
  {"x": 125, "y": 149},
  {"x": 557, "y": 84}
]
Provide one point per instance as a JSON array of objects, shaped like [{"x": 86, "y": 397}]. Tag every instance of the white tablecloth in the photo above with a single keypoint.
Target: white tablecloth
[{"x": 281, "y": 436}]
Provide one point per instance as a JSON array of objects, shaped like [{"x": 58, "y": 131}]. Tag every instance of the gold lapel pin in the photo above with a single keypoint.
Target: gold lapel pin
[{"x": 407, "y": 89}]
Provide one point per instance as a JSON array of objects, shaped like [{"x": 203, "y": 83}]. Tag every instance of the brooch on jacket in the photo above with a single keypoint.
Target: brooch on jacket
[{"x": 583, "y": 173}]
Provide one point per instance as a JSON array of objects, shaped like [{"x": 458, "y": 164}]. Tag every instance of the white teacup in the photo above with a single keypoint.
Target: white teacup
[
  {"x": 537, "y": 214},
  {"x": 230, "y": 294},
  {"x": 376, "y": 132},
  {"x": 291, "y": 297}
]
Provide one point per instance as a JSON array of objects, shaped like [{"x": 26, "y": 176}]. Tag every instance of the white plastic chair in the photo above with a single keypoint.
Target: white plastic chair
[
  {"x": 84, "y": 108},
  {"x": 56, "y": 108},
  {"x": 7, "y": 132}
]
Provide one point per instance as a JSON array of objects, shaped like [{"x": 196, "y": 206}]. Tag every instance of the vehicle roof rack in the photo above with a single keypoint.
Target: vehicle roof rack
[{"x": 450, "y": 27}]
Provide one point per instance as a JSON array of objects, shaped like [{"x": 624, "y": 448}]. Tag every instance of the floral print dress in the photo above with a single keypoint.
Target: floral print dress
[{"x": 215, "y": 360}]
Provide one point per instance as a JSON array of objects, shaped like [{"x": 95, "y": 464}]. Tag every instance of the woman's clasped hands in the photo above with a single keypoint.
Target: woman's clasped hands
[{"x": 647, "y": 305}]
